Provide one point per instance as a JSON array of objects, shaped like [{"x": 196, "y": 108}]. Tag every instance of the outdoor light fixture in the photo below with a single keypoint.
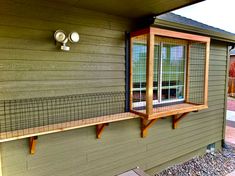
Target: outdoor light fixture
[
  {"x": 60, "y": 36},
  {"x": 73, "y": 37}
]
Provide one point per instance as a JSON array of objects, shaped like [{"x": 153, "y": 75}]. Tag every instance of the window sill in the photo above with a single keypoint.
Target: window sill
[{"x": 170, "y": 110}]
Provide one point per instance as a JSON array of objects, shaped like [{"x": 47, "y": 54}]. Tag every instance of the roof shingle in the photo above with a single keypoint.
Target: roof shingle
[{"x": 189, "y": 22}]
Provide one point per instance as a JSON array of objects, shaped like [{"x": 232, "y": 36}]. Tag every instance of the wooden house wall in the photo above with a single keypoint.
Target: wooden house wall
[{"x": 31, "y": 66}]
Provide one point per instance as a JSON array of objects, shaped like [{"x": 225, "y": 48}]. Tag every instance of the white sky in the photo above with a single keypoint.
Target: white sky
[{"x": 217, "y": 13}]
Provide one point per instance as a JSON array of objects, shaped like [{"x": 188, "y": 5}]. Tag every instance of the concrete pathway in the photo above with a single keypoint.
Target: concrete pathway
[
  {"x": 230, "y": 119},
  {"x": 230, "y": 128},
  {"x": 231, "y": 115},
  {"x": 230, "y": 134},
  {"x": 231, "y": 174},
  {"x": 231, "y": 104}
]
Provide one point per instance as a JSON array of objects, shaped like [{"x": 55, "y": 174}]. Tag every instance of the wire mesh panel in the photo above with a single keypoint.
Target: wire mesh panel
[
  {"x": 197, "y": 60},
  {"x": 156, "y": 68},
  {"x": 24, "y": 114},
  {"x": 171, "y": 70}
]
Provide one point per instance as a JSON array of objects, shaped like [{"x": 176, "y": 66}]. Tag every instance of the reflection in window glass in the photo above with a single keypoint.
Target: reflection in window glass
[
  {"x": 168, "y": 75},
  {"x": 173, "y": 71},
  {"x": 139, "y": 52}
]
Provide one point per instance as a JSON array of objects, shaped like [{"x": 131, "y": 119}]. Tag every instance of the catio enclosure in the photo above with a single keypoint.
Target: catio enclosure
[
  {"x": 168, "y": 76},
  {"x": 36, "y": 116},
  {"x": 169, "y": 73}
]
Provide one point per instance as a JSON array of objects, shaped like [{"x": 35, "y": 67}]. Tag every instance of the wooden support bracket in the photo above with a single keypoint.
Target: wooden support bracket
[
  {"x": 32, "y": 144},
  {"x": 177, "y": 118},
  {"x": 145, "y": 125},
  {"x": 100, "y": 129}
]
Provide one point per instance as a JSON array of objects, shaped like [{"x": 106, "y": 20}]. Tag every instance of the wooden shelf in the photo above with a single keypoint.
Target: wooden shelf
[
  {"x": 53, "y": 128},
  {"x": 176, "y": 112},
  {"x": 169, "y": 110}
]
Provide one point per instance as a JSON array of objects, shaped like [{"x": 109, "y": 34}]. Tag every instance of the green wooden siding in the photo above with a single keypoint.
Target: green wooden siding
[{"x": 31, "y": 66}]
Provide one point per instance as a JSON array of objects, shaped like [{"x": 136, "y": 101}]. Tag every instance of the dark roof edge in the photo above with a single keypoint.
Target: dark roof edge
[{"x": 193, "y": 29}]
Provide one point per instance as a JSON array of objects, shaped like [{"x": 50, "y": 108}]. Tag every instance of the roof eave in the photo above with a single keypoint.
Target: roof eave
[{"x": 134, "y": 9}]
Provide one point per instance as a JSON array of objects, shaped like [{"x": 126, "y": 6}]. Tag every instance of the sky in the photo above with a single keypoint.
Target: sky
[{"x": 217, "y": 13}]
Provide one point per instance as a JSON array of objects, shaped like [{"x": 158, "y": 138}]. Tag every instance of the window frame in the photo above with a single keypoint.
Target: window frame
[{"x": 151, "y": 32}]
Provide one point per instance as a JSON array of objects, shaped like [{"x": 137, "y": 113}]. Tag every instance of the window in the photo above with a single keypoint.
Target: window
[{"x": 169, "y": 72}]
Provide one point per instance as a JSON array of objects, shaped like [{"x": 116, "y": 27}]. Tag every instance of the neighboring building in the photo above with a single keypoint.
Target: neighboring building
[
  {"x": 231, "y": 82},
  {"x": 159, "y": 72}
]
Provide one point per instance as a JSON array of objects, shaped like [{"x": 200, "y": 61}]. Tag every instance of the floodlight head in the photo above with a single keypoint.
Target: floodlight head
[
  {"x": 60, "y": 36},
  {"x": 73, "y": 37}
]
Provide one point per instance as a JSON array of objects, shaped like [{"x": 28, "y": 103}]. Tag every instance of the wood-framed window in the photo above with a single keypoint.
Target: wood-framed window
[{"x": 168, "y": 72}]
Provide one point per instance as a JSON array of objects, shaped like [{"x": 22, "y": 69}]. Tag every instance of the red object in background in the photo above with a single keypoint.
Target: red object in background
[{"x": 232, "y": 70}]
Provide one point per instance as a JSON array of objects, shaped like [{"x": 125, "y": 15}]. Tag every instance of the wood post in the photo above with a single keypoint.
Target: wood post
[
  {"x": 149, "y": 74},
  {"x": 187, "y": 73},
  {"x": 131, "y": 74},
  {"x": 206, "y": 72}
]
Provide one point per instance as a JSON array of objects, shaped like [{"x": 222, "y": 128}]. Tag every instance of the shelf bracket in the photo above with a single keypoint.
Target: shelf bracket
[
  {"x": 100, "y": 129},
  {"x": 177, "y": 118},
  {"x": 145, "y": 125},
  {"x": 32, "y": 144}
]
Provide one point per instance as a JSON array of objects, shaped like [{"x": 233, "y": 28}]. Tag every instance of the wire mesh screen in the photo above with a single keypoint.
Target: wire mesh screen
[
  {"x": 47, "y": 112},
  {"x": 197, "y": 60},
  {"x": 139, "y": 56},
  {"x": 171, "y": 69}
]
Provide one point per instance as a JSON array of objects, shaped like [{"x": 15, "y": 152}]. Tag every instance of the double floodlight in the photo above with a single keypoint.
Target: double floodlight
[{"x": 60, "y": 36}]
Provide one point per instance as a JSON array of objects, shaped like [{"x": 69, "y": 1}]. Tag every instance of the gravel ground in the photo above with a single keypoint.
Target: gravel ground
[{"x": 220, "y": 163}]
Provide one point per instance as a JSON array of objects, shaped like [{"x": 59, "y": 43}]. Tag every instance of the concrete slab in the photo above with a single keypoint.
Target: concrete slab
[
  {"x": 230, "y": 115},
  {"x": 134, "y": 172},
  {"x": 231, "y": 174},
  {"x": 230, "y": 135},
  {"x": 231, "y": 104}
]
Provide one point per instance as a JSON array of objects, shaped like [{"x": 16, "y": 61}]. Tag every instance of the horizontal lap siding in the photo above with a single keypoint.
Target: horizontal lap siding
[
  {"x": 78, "y": 152},
  {"x": 31, "y": 62}
]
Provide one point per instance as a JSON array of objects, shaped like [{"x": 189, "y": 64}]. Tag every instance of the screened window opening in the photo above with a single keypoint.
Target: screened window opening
[
  {"x": 172, "y": 72},
  {"x": 169, "y": 72}
]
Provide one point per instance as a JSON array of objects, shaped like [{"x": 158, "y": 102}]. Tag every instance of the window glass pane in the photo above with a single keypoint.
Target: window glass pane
[
  {"x": 173, "y": 69},
  {"x": 139, "y": 54}
]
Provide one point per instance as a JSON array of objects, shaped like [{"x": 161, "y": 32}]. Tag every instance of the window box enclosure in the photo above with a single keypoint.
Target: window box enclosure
[{"x": 168, "y": 72}]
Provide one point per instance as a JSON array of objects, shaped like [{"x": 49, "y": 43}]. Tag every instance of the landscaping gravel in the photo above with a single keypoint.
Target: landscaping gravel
[{"x": 220, "y": 163}]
